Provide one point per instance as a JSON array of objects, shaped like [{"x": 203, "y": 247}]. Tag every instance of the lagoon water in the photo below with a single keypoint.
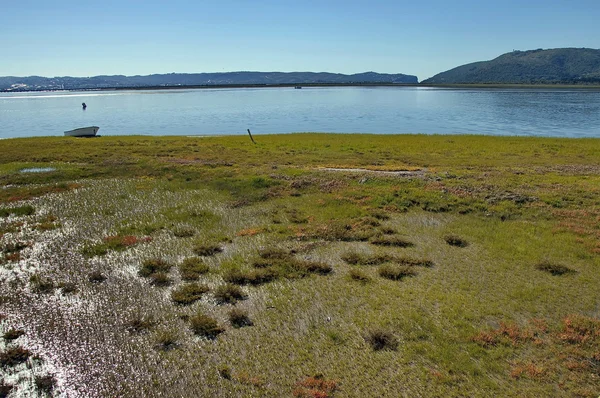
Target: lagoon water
[{"x": 384, "y": 110}]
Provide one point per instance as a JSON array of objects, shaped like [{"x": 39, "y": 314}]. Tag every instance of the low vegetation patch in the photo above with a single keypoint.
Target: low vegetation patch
[
  {"x": 205, "y": 326},
  {"x": 239, "y": 318},
  {"x": 13, "y": 334},
  {"x": 154, "y": 265},
  {"x": 45, "y": 384},
  {"x": 26, "y": 210},
  {"x": 355, "y": 258},
  {"x": 554, "y": 269},
  {"x": 396, "y": 272},
  {"x": 229, "y": 294},
  {"x": 207, "y": 249},
  {"x": 391, "y": 240},
  {"x": 5, "y": 389},
  {"x": 456, "y": 241},
  {"x": 113, "y": 242},
  {"x": 380, "y": 339},
  {"x": 41, "y": 284},
  {"x": 188, "y": 294},
  {"x": 96, "y": 277},
  {"x": 184, "y": 232},
  {"x": 14, "y": 356},
  {"x": 165, "y": 340},
  {"x": 140, "y": 324},
  {"x": 191, "y": 268},
  {"x": 315, "y": 387},
  {"x": 359, "y": 275}
]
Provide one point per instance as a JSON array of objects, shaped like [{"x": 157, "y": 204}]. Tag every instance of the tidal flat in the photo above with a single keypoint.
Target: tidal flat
[{"x": 305, "y": 265}]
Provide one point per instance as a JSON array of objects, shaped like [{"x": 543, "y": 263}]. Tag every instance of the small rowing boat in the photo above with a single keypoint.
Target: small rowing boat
[{"x": 83, "y": 132}]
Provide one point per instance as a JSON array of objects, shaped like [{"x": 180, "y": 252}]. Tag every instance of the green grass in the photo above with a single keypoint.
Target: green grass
[{"x": 476, "y": 276}]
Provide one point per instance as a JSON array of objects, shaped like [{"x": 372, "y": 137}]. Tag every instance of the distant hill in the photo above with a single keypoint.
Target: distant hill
[
  {"x": 555, "y": 66},
  {"x": 198, "y": 79}
]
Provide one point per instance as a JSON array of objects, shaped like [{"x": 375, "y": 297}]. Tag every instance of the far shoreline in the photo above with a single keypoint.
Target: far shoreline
[{"x": 320, "y": 85}]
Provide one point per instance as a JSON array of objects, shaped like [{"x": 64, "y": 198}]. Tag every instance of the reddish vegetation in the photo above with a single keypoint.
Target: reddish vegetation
[
  {"x": 314, "y": 387},
  {"x": 583, "y": 223},
  {"x": 572, "y": 348},
  {"x": 249, "y": 232},
  {"x": 126, "y": 240}
]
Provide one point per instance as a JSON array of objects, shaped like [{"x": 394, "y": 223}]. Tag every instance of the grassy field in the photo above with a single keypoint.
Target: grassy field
[{"x": 307, "y": 265}]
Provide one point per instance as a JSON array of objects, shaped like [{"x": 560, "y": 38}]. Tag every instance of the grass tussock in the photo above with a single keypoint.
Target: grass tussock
[
  {"x": 396, "y": 272},
  {"x": 239, "y": 318},
  {"x": 140, "y": 324},
  {"x": 205, "y": 326},
  {"x": 96, "y": 277},
  {"x": 229, "y": 294},
  {"x": 41, "y": 284},
  {"x": 355, "y": 258},
  {"x": 154, "y": 266},
  {"x": 14, "y": 356},
  {"x": 191, "y": 268},
  {"x": 5, "y": 389},
  {"x": 45, "y": 384},
  {"x": 166, "y": 340},
  {"x": 359, "y": 275},
  {"x": 68, "y": 287},
  {"x": 554, "y": 269},
  {"x": 207, "y": 249},
  {"x": 456, "y": 241},
  {"x": 13, "y": 334},
  {"x": 189, "y": 293},
  {"x": 391, "y": 241},
  {"x": 184, "y": 232},
  {"x": 26, "y": 210},
  {"x": 250, "y": 277},
  {"x": 380, "y": 339}
]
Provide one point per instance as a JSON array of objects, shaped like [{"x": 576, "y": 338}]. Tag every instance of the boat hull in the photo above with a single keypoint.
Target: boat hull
[{"x": 83, "y": 132}]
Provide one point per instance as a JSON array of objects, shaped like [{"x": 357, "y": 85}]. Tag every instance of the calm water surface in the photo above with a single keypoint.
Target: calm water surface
[{"x": 384, "y": 110}]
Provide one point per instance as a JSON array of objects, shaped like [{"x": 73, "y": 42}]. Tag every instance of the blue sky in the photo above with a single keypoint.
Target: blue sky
[{"x": 88, "y": 38}]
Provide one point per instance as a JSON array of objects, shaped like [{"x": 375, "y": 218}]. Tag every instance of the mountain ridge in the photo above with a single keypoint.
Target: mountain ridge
[
  {"x": 14, "y": 83},
  {"x": 550, "y": 66}
]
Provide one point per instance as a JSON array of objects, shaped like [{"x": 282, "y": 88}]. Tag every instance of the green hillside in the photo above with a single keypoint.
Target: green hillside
[{"x": 555, "y": 66}]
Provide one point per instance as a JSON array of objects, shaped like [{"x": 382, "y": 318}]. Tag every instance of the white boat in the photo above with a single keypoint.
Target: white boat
[{"x": 83, "y": 132}]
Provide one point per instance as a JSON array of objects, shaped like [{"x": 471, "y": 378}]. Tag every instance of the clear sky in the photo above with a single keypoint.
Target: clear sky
[{"x": 422, "y": 38}]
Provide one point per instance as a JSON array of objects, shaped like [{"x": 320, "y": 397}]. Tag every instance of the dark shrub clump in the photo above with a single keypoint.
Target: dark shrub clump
[
  {"x": 96, "y": 277},
  {"x": 358, "y": 275},
  {"x": 395, "y": 273},
  {"x": 454, "y": 240},
  {"x": 45, "y": 384},
  {"x": 14, "y": 356},
  {"x": 205, "y": 326},
  {"x": 41, "y": 284},
  {"x": 191, "y": 268},
  {"x": 229, "y": 294},
  {"x": 554, "y": 269},
  {"x": 239, "y": 318},
  {"x": 187, "y": 294},
  {"x": 391, "y": 240},
  {"x": 166, "y": 340},
  {"x": 207, "y": 249},
  {"x": 381, "y": 340},
  {"x": 140, "y": 324},
  {"x": 156, "y": 270},
  {"x": 13, "y": 334}
]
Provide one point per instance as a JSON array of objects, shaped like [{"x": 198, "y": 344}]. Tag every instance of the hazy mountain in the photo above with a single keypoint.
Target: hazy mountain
[
  {"x": 560, "y": 65},
  {"x": 198, "y": 79}
]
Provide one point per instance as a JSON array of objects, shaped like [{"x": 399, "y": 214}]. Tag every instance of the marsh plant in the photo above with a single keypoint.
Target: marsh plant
[
  {"x": 205, "y": 326},
  {"x": 188, "y": 293},
  {"x": 228, "y": 294},
  {"x": 192, "y": 267},
  {"x": 239, "y": 318},
  {"x": 380, "y": 339}
]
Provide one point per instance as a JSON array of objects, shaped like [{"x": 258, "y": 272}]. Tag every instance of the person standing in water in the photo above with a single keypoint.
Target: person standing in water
[{"x": 83, "y": 105}]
